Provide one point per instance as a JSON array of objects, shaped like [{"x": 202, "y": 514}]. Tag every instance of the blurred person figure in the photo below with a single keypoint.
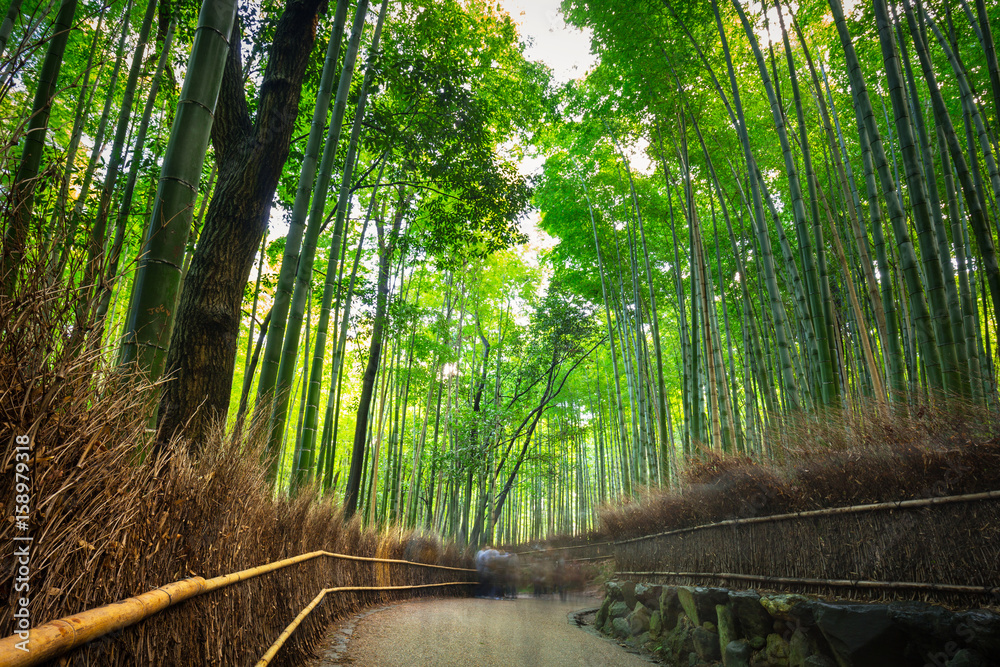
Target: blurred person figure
[
  {"x": 485, "y": 568},
  {"x": 511, "y": 576},
  {"x": 559, "y": 578}
]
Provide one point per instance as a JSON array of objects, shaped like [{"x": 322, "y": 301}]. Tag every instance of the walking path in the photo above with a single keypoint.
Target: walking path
[{"x": 470, "y": 632}]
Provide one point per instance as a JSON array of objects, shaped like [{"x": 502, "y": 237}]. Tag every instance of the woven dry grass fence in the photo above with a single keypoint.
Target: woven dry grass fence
[
  {"x": 106, "y": 526},
  {"x": 843, "y": 459},
  {"x": 951, "y": 544},
  {"x": 576, "y": 549}
]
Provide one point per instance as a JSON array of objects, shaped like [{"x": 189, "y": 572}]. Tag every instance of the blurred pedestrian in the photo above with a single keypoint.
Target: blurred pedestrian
[{"x": 486, "y": 569}]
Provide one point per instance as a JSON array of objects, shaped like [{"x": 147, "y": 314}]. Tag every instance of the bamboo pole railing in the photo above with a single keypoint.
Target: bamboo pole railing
[
  {"x": 838, "y": 583},
  {"x": 283, "y": 637},
  {"x": 55, "y": 638},
  {"x": 851, "y": 509},
  {"x": 771, "y": 518}
]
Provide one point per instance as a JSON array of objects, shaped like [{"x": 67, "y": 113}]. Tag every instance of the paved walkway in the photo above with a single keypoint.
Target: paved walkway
[{"x": 469, "y": 632}]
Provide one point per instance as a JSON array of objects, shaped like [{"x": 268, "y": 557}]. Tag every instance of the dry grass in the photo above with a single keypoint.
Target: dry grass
[
  {"x": 108, "y": 525},
  {"x": 832, "y": 460}
]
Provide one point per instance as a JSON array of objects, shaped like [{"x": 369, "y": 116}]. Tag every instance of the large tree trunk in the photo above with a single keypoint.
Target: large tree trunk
[{"x": 250, "y": 157}]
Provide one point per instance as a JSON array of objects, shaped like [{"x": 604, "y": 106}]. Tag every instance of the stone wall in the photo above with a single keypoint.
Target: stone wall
[{"x": 696, "y": 626}]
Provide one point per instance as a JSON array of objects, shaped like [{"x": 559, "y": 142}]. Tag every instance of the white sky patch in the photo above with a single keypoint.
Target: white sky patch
[
  {"x": 563, "y": 48},
  {"x": 772, "y": 35},
  {"x": 638, "y": 158},
  {"x": 277, "y": 223}
]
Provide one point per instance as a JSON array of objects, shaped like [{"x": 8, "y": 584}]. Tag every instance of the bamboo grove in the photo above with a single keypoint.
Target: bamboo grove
[
  {"x": 309, "y": 221},
  {"x": 821, "y": 198}
]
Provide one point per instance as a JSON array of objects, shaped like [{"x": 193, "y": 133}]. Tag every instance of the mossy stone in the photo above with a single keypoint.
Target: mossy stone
[
  {"x": 801, "y": 646},
  {"x": 752, "y": 618},
  {"x": 727, "y": 629},
  {"x": 638, "y": 620},
  {"x": 670, "y": 608},
  {"x": 655, "y": 624},
  {"x": 620, "y": 628},
  {"x": 602, "y": 613},
  {"x": 706, "y": 643},
  {"x": 776, "y": 650},
  {"x": 736, "y": 654}
]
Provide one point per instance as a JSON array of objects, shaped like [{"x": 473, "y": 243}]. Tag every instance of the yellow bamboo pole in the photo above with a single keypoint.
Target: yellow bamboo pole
[
  {"x": 852, "y": 509},
  {"x": 55, "y": 638},
  {"x": 283, "y": 637},
  {"x": 840, "y": 583}
]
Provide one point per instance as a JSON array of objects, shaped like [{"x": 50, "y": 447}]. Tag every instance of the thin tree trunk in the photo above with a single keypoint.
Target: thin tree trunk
[
  {"x": 917, "y": 189},
  {"x": 908, "y": 259},
  {"x": 97, "y": 243},
  {"x": 977, "y": 216},
  {"x": 293, "y": 240},
  {"x": 23, "y": 188},
  {"x": 110, "y": 273},
  {"x": 374, "y": 355},
  {"x": 316, "y": 370}
]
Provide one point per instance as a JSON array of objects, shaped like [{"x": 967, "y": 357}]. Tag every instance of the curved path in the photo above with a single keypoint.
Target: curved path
[{"x": 471, "y": 632}]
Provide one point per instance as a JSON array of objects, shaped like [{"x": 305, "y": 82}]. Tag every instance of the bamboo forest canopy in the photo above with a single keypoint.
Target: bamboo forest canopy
[{"x": 314, "y": 223}]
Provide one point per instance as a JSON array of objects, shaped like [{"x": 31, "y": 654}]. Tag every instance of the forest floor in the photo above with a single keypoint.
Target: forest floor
[{"x": 473, "y": 632}]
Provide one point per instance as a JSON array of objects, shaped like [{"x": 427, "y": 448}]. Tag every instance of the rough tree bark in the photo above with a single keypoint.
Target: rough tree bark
[{"x": 250, "y": 156}]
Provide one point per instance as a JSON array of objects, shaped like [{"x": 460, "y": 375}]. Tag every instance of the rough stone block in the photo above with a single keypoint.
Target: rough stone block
[
  {"x": 706, "y": 644},
  {"x": 980, "y": 629},
  {"x": 628, "y": 593},
  {"x": 752, "y": 618},
  {"x": 802, "y": 645},
  {"x": 620, "y": 628},
  {"x": 648, "y": 595},
  {"x": 776, "y": 650},
  {"x": 602, "y": 613},
  {"x": 617, "y": 611},
  {"x": 699, "y": 603},
  {"x": 783, "y": 606},
  {"x": 638, "y": 620},
  {"x": 678, "y": 642},
  {"x": 727, "y": 628},
  {"x": 670, "y": 608},
  {"x": 860, "y": 635},
  {"x": 736, "y": 654},
  {"x": 655, "y": 624},
  {"x": 613, "y": 591}
]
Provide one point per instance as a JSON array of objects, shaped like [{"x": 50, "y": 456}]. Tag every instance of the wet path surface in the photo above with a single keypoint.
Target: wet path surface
[{"x": 470, "y": 632}]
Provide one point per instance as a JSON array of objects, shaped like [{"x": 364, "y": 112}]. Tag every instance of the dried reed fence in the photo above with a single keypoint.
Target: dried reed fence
[
  {"x": 580, "y": 549},
  {"x": 106, "y": 525},
  {"x": 943, "y": 549},
  {"x": 941, "y": 552}
]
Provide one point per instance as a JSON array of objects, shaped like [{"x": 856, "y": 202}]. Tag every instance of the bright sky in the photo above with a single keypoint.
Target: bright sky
[
  {"x": 566, "y": 50},
  {"x": 563, "y": 48}
]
